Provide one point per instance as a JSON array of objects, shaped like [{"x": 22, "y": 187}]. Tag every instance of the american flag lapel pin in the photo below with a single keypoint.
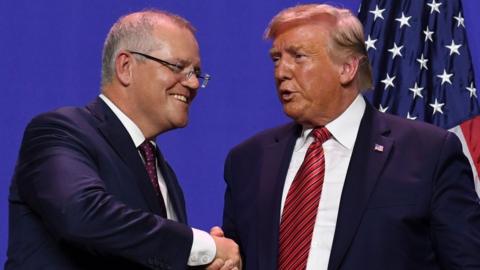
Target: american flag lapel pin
[{"x": 378, "y": 147}]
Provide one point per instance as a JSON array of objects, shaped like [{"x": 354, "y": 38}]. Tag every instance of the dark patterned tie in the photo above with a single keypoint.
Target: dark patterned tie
[
  {"x": 301, "y": 206},
  {"x": 147, "y": 150}
]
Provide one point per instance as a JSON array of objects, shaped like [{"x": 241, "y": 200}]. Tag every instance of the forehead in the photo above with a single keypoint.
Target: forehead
[
  {"x": 177, "y": 42},
  {"x": 309, "y": 36}
]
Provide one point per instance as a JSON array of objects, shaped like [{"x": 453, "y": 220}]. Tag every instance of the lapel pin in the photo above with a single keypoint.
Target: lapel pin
[{"x": 378, "y": 148}]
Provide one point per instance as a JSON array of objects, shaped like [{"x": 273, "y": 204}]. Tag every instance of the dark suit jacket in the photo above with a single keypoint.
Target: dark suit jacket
[
  {"x": 81, "y": 199},
  {"x": 411, "y": 206}
]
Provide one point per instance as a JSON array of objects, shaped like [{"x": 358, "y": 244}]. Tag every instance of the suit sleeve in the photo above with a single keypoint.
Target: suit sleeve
[
  {"x": 57, "y": 177},
  {"x": 455, "y": 209}
]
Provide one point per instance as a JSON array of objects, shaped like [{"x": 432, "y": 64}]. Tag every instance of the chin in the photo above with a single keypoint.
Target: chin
[
  {"x": 299, "y": 118},
  {"x": 177, "y": 119},
  {"x": 294, "y": 114},
  {"x": 181, "y": 123}
]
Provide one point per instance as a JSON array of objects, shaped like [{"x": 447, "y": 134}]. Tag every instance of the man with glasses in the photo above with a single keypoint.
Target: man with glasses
[{"x": 91, "y": 190}]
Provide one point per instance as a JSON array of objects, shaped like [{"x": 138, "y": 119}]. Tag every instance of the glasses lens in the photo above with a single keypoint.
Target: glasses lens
[{"x": 204, "y": 80}]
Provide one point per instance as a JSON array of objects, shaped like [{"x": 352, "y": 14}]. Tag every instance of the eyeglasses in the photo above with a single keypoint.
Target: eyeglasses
[{"x": 179, "y": 69}]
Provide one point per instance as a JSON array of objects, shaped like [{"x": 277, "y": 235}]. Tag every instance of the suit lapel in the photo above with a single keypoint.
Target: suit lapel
[
  {"x": 174, "y": 191},
  {"x": 275, "y": 163},
  {"x": 370, "y": 153},
  {"x": 119, "y": 139}
]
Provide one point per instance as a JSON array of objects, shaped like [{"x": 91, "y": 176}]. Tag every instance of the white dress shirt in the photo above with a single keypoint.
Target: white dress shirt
[
  {"x": 203, "y": 247},
  {"x": 338, "y": 151}
]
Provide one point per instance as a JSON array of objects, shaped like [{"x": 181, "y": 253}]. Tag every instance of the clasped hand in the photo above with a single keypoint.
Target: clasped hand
[{"x": 228, "y": 252}]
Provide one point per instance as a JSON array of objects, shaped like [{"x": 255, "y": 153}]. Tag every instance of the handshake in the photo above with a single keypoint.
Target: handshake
[{"x": 228, "y": 252}]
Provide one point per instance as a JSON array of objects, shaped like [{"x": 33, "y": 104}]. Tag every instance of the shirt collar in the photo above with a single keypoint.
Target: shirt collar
[
  {"x": 345, "y": 127},
  {"x": 132, "y": 129}
]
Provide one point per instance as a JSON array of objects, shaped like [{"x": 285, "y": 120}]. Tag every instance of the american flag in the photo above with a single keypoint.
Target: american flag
[{"x": 422, "y": 66}]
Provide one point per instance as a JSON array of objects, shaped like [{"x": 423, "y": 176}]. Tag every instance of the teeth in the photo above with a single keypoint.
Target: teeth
[{"x": 181, "y": 98}]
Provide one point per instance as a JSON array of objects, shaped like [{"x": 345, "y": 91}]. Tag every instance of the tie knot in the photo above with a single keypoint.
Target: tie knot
[
  {"x": 148, "y": 151},
  {"x": 321, "y": 134}
]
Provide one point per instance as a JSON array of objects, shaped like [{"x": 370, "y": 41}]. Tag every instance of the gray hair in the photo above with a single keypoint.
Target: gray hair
[
  {"x": 134, "y": 32},
  {"x": 346, "y": 35}
]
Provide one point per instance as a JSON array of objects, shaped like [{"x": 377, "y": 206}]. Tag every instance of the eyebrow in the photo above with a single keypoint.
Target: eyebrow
[
  {"x": 294, "y": 48},
  {"x": 182, "y": 62},
  {"x": 289, "y": 49},
  {"x": 185, "y": 63},
  {"x": 273, "y": 51}
]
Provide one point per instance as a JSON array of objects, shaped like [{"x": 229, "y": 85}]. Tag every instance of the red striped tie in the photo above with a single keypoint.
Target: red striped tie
[{"x": 301, "y": 206}]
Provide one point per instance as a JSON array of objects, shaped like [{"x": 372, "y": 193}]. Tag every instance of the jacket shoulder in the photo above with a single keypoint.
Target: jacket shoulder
[
  {"x": 269, "y": 136},
  {"x": 399, "y": 125},
  {"x": 60, "y": 115}
]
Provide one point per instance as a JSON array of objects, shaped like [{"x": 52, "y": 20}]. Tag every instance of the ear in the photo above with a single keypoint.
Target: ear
[
  {"x": 348, "y": 69},
  {"x": 123, "y": 68}
]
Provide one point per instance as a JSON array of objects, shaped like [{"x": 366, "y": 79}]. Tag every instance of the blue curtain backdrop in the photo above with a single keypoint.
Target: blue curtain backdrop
[{"x": 50, "y": 57}]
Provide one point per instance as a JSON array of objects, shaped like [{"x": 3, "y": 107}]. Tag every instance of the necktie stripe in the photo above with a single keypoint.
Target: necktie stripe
[
  {"x": 299, "y": 229},
  {"x": 294, "y": 232},
  {"x": 300, "y": 224},
  {"x": 304, "y": 175},
  {"x": 313, "y": 166},
  {"x": 314, "y": 156},
  {"x": 305, "y": 189},
  {"x": 296, "y": 202},
  {"x": 297, "y": 232},
  {"x": 294, "y": 205},
  {"x": 302, "y": 243},
  {"x": 302, "y": 196},
  {"x": 296, "y": 258},
  {"x": 301, "y": 206},
  {"x": 311, "y": 175}
]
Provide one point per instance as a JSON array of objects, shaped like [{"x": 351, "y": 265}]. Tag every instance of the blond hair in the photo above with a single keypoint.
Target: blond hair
[{"x": 346, "y": 34}]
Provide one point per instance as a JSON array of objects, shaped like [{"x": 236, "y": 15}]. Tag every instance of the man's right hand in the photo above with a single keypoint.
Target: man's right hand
[{"x": 228, "y": 252}]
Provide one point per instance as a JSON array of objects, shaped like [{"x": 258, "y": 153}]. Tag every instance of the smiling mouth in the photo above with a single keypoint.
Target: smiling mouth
[{"x": 181, "y": 98}]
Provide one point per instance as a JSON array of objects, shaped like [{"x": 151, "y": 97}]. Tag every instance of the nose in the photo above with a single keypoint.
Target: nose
[
  {"x": 283, "y": 69},
  {"x": 191, "y": 82}
]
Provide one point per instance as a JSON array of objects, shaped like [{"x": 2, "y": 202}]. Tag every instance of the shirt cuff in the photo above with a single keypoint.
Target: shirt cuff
[{"x": 203, "y": 248}]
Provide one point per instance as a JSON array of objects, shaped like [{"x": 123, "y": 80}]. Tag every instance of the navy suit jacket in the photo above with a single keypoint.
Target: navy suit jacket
[
  {"x": 411, "y": 206},
  {"x": 81, "y": 198}
]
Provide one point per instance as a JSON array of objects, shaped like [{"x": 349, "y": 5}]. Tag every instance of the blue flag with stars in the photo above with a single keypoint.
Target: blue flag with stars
[{"x": 420, "y": 59}]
